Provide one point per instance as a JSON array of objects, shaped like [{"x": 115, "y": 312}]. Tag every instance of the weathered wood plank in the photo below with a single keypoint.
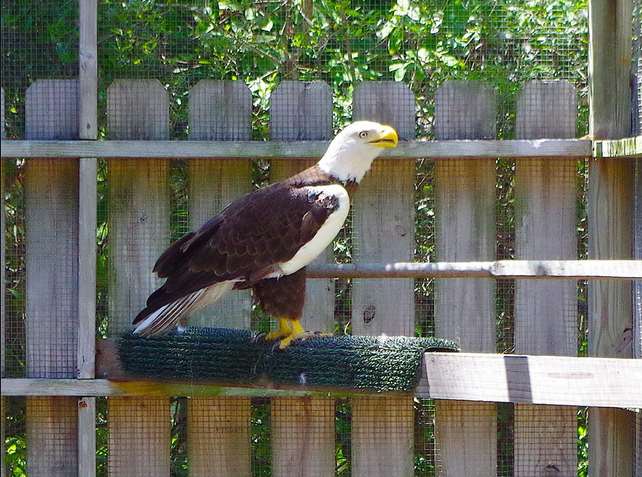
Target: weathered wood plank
[
  {"x": 302, "y": 433},
  {"x": 545, "y": 311},
  {"x": 218, "y": 435},
  {"x": 219, "y": 428},
  {"x": 87, "y": 436},
  {"x": 558, "y": 380},
  {"x": 383, "y": 230},
  {"x": 610, "y": 51},
  {"x": 303, "y": 438},
  {"x": 465, "y": 308},
  {"x": 637, "y": 310},
  {"x": 295, "y": 150},
  {"x": 465, "y": 203},
  {"x": 555, "y": 380},
  {"x": 139, "y": 436},
  {"x": 637, "y": 305},
  {"x": 51, "y": 262},
  {"x": 610, "y": 204},
  {"x": 219, "y": 110},
  {"x": 87, "y": 210},
  {"x": 465, "y": 196},
  {"x": 138, "y": 210},
  {"x": 532, "y": 269},
  {"x": 2, "y": 286},
  {"x": 466, "y": 437},
  {"x": 88, "y": 69},
  {"x": 617, "y": 148},
  {"x": 87, "y": 129}
]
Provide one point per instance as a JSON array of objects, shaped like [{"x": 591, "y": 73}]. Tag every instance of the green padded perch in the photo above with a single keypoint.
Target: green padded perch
[{"x": 239, "y": 357}]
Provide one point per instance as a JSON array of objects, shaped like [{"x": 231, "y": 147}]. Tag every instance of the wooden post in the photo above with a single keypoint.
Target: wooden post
[
  {"x": 51, "y": 205},
  {"x": 465, "y": 309},
  {"x": 138, "y": 207},
  {"x": 637, "y": 307},
  {"x": 2, "y": 286},
  {"x": 87, "y": 208},
  {"x": 546, "y": 311},
  {"x": 303, "y": 438},
  {"x": 610, "y": 196},
  {"x": 87, "y": 192},
  {"x": 218, "y": 429},
  {"x": 383, "y": 230}
]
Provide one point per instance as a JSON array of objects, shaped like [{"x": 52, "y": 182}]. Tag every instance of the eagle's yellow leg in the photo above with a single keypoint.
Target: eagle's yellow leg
[
  {"x": 284, "y": 329},
  {"x": 290, "y": 330},
  {"x": 297, "y": 332}
]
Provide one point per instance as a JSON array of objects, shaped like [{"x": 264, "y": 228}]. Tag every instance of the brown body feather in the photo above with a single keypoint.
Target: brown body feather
[{"x": 245, "y": 242}]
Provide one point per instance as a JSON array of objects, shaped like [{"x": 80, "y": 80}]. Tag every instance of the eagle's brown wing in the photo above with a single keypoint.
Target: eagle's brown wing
[{"x": 243, "y": 243}]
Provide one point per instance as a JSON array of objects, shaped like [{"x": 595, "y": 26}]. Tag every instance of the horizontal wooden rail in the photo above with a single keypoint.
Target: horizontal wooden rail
[
  {"x": 560, "y": 380},
  {"x": 618, "y": 148},
  {"x": 536, "y": 269},
  {"x": 566, "y": 148},
  {"x": 555, "y": 380}
]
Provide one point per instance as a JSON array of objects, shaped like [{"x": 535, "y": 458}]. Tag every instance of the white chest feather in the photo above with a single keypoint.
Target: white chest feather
[{"x": 326, "y": 233}]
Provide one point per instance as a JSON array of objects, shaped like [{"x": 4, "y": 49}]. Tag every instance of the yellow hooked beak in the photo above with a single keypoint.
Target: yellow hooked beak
[{"x": 387, "y": 138}]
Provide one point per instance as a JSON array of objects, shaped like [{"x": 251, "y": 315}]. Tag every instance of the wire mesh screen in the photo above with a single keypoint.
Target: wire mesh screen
[
  {"x": 420, "y": 43},
  {"x": 225, "y": 71},
  {"x": 39, "y": 42},
  {"x": 636, "y": 107}
]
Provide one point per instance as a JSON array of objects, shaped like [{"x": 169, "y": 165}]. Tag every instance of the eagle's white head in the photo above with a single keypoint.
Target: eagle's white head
[{"x": 352, "y": 151}]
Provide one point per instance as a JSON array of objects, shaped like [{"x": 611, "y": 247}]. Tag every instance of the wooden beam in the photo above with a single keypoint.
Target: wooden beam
[
  {"x": 610, "y": 39},
  {"x": 295, "y": 150},
  {"x": 533, "y": 269},
  {"x": 87, "y": 436},
  {"x": 2, "y": 290},
  {"x": 610, "y": 206},
  {"x": 87, "y": 209},
  {"x": 87, "y": 129},
  {"x": 618, "y": 148},
  {"x": 555, "y": 380}
]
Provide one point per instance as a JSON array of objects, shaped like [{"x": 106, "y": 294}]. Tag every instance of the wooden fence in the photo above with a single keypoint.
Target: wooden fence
[{"x": 60, "y": 205}]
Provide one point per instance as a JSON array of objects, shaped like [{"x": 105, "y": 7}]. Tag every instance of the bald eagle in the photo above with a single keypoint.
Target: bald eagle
[{"x": 264, "y": 240}]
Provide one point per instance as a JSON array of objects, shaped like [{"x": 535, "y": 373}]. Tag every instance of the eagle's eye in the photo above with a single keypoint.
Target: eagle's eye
[{"x": 363, "y": 134}]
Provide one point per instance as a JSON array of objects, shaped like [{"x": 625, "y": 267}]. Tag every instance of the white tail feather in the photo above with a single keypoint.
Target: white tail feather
[{"x": 167, "y": 317}]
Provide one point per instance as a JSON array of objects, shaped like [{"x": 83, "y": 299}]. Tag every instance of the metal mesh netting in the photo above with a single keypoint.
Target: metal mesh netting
[
  {"x": 262, "y": 43},
  {"x": 143, "y": 205},
  {"x": 636, "y": 107}
]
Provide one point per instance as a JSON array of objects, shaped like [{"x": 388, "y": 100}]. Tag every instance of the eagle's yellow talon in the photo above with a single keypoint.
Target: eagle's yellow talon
[
  {"x": 289, "y": 331},
  {"x": 282, "y": 331}
]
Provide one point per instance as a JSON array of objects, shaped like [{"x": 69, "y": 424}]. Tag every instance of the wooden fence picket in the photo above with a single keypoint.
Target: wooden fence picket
[
  {"x": 2, "y": 286},
  {"x": 51, "y": 223},
  {"x": 610, "y": 224},
  {"x": 303, "y": 428},
  {"x": 218, "y": 429},
  {"x": 138, "y": 209},
  {"x": 545, "y": 312},
  {"x": 466, "y": 432},
  {"x": 383, "y": 231}
]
